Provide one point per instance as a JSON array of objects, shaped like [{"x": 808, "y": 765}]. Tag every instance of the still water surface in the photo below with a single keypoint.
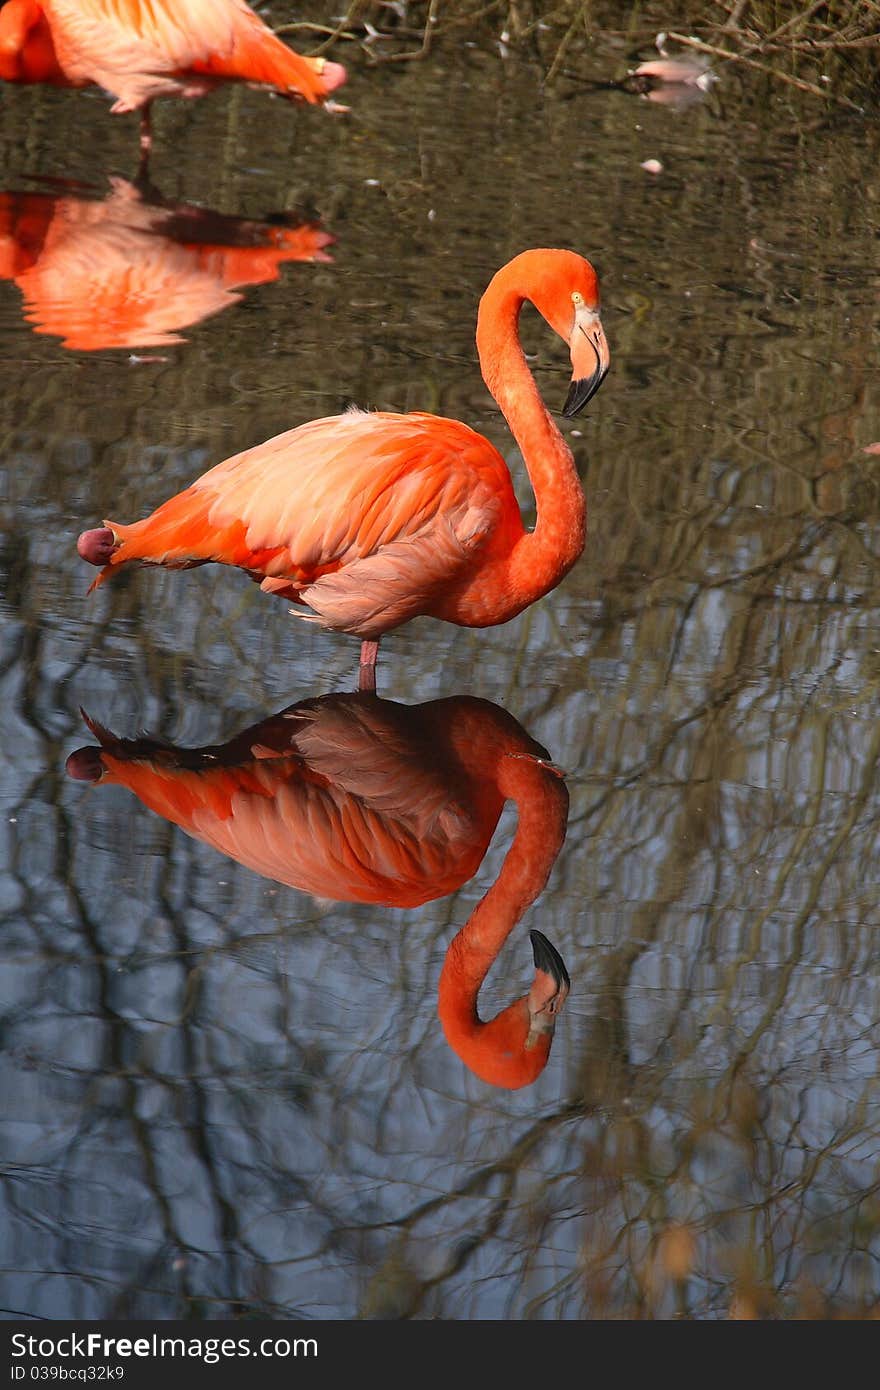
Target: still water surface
[{"x": 223, "y": 1094}]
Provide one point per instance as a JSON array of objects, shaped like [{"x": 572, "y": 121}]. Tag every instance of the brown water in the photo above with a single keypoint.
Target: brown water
[{"x": 223, "y": 1094}]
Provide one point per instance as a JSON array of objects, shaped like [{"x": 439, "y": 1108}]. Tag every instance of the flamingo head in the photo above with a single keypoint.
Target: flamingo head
[
  {"x": 549, "y": 990},
  {"x": 590, "y": 358},
  {"x": 85, "y": 765},
  {"x": 512, "y": 1049},
  {"x": 564, "y": 288}
]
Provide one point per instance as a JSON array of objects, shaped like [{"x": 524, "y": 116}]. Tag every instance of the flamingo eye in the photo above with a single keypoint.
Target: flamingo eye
[{"x": 577, "y": 297}]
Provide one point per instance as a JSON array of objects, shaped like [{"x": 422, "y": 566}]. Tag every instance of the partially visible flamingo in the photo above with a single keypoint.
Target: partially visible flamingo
[
  {"x": 139, "y": 50},
  {"x": 372, "y": 519},
  {"x": 133, "y": 270},
  {"x": 359, "y": 799},
  {"x": 678, "y": 81}
]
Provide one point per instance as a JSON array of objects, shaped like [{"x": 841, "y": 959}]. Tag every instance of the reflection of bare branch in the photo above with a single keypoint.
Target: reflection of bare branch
[{"x": 228, "y": 1096}]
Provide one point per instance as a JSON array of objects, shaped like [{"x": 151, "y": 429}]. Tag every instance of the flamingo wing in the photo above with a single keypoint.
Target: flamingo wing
[
  {"x": 128, "y": 46},
  {"x": 365, "y": 518}
]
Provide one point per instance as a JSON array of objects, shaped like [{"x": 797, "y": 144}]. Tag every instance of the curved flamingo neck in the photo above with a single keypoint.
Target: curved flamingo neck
[
  {"x": 539, "y": 558},
  {"x": 496, "y": 1050}
]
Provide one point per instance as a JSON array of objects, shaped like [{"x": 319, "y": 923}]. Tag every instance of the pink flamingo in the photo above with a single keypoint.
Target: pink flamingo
[{"x": 369, "y": 520}]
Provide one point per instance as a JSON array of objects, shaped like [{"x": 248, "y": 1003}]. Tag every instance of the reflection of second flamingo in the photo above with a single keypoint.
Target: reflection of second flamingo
[
  {"x": 359, "y": 799},
  {"x": 133, "y": 269}
]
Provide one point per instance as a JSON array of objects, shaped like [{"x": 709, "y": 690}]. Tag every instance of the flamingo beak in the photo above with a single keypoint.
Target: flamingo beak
[
  {"x": 590, "y": 359},
  {"x": 549, "y": 990}
]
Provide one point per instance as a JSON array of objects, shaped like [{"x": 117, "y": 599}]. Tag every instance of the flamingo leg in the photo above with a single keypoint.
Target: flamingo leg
[
  {"x": 367, "y": 670},
  {"x": 146, "y": 140},
  {"x": 146, "y": 130}
]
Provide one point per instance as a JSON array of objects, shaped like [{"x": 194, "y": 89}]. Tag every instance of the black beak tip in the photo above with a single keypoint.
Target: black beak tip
[
  {"x": 548, "y": 958},
  {"x": 580, "y": 392}
]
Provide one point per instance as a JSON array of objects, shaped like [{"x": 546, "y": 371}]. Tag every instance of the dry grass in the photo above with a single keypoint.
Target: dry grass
[{"x": 828, "y": 47}]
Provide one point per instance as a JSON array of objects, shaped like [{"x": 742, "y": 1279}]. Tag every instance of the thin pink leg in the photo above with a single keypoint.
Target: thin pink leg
[
  {"x": 146, "y": 142},
  {"x": 367, "y": 671},
  {"x": 146, "y": 131}
]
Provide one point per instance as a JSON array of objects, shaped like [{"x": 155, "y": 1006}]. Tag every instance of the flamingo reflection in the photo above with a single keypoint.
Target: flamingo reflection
[
  {"x": 133, "y": 270},
  {"x": 360, "y": 799}
]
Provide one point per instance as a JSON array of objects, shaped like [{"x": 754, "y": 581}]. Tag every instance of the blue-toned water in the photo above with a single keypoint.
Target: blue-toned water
[{"x": 221, "y": 1094}]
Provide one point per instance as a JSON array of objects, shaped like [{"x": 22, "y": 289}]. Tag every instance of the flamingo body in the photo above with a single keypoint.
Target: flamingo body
[
  {"x": 369, "y": 520},
  {"x": 142, "y": 49},
  {"x": 354, "y": 798}
]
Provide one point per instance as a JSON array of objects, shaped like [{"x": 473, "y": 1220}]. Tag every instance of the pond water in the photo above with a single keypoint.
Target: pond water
[{"x": 223, "y": 1094}]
